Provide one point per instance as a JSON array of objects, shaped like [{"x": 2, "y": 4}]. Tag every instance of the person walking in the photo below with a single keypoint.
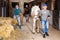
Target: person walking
[
  {"x": 44, "y": 20},
  {"x": 35, "y": 16},
  {"x": 17, "y": 12}
]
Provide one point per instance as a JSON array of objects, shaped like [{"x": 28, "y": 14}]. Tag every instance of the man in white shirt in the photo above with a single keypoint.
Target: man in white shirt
[{"x": 35, "y": 15}]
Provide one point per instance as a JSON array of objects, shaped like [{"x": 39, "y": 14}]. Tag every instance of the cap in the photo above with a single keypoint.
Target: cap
[{"x": 44, "y": 4}]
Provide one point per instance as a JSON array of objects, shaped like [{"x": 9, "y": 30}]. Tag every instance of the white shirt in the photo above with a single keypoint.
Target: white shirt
[{"x": 35, "y": 10}]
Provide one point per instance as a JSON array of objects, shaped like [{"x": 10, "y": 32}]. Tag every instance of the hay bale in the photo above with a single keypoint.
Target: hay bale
[
  {"x": 5, "y": 30},
  {"x": 8, "y": 20},
  {"x": 6, "y": 26}
]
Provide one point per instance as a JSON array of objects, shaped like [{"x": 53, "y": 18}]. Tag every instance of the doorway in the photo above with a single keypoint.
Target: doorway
[
  {"x": 56, "y": 13},
  {"x": 14, "y": 3}
]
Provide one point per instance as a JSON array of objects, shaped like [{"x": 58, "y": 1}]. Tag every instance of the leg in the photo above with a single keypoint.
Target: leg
[
  {"x": 19, "y": 23},
  {"x": 46, "y": 28},
  {"x": 43, "y": 28},
  {"x": 27, "y": 18},
  {"x": 15, "y": 19},
  {"x": 38, "y": 24},
  {"x": 34, "y": 26}
]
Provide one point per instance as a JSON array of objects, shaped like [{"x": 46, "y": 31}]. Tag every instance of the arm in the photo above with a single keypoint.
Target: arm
[
  {"x": 40, "y": 15},
  {"x": 32, "y": 11},
  {"x": 39, "y": 11},
  {"x": 49, "y": 13}
]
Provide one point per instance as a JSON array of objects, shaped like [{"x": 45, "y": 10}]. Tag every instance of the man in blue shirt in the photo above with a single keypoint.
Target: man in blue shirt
[{"x": 17, "y": 12}]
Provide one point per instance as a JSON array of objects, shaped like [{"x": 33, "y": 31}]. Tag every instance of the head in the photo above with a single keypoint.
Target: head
[
  {"x": 26, "y": 6},
  {"x": 44, "y": 6},
  {"x": 35, "y": 3},
  {"x": 17, "y": 6}
]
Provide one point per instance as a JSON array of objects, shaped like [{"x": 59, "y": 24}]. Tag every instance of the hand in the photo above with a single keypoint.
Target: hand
[
  {"x": 48, "y": 15},
  {"x": 20, "y": 14}
]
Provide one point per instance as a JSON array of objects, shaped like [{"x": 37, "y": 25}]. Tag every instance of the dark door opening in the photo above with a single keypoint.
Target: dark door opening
[
  {"x": 56, "y": 15},
  {"x": 57, "y": 5},
  {"x": 4, "y": 8},
  {"x": 14, "y": 3}
]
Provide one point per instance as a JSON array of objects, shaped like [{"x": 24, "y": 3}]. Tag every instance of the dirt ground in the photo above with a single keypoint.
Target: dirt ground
[{"x": 26, "y": 33}]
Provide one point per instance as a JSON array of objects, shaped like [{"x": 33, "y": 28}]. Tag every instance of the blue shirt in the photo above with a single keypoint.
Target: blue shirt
[{"x": 17, "y": 11}]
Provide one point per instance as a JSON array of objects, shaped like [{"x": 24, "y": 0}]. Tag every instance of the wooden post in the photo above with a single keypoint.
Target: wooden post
[
  {"x": 21, "y": 3},
  {"x": 10, "y": 9},
  {"x": 52, "y": 5},
  {"x": 42, "y": 4}
]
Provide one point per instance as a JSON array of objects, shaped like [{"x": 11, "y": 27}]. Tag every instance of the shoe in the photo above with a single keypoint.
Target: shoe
[
  {"x": 43, "y": 35},
  {"x": 20, "y": 26},
  {"x": 46, "y": 33},
  {"x": 33, "y": 32},
  {"x": 37, "y": 31}
]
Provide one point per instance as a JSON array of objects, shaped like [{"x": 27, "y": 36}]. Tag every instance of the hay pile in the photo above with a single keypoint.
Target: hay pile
[{"x": 6, "y": 26}]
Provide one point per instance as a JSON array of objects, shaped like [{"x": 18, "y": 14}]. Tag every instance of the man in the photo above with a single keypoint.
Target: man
[
  {"x": 35, "y": 15},
  {"x": 27, "y": 13},
  {"x": 17, "y": 12},
  {"x": 44, "y": 18}
]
